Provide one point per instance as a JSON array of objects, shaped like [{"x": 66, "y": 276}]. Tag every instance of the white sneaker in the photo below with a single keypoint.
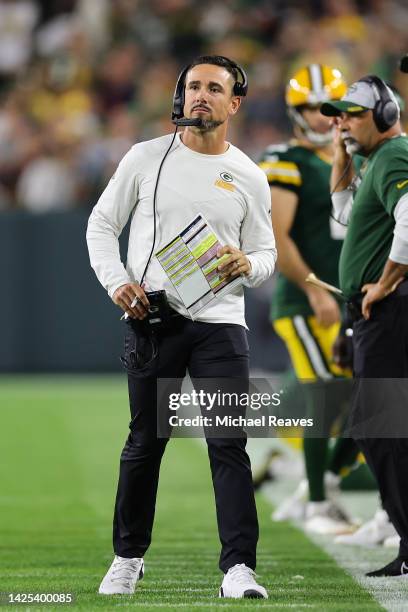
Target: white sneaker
[
  {"x": 122, "y": 576},
  {"x": 240, "y": 582},
  {"x": 293, "y": 507},
  {"x": 392, "y": 541},
  {"x": 327, "y": 518},
  {"x": 373, "y": 533}
]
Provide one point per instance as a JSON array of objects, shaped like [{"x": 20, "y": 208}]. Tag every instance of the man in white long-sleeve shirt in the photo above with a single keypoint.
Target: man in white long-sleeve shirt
[
  {"x": 372, "y": 272},
  {"x": 202, "y": 174}
]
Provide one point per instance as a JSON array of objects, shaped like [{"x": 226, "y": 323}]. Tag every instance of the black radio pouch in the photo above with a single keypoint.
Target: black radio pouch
[{"x": 159, "y": 312}]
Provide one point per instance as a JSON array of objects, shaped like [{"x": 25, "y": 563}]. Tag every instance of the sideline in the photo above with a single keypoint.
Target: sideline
[{"x": 391, "y": 593}]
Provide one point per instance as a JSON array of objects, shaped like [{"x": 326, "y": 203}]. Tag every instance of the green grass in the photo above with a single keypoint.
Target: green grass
[{"x": 60, "y": 440}]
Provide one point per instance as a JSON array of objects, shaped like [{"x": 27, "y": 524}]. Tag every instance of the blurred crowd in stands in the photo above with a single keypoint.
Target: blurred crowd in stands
[{"x": 82, "y": 80}]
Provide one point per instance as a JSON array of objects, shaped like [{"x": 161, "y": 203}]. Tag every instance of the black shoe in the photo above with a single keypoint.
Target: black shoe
[{"x": 398, "y": 567}]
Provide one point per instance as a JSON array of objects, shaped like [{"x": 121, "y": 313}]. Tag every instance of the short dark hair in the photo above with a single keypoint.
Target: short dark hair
[{"x": 217, "y": 60}]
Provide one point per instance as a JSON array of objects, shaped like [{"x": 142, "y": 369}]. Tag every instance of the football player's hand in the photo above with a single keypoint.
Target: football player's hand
[
  {"x": 324, "y": 306},
  {"x": 234, "y": 264},
  {"x": 132, "y": 299}
]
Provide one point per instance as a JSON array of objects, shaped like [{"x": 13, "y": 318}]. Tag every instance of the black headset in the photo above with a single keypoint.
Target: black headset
[
  {"x": 386, "y": 111},
  {"x": 240, "y": 87}
]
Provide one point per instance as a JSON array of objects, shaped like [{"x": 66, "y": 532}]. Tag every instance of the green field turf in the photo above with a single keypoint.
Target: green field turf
[{"x": 60, "y": 443}]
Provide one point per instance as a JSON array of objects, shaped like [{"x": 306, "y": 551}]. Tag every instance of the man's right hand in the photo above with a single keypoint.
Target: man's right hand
[
  {"x": 340, "y": 152},
  {"x": 126, "y": 294},
  {"x": 324, "y": 306}
]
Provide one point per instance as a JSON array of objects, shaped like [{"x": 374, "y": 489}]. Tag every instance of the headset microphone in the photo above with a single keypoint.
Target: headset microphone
[{"x": 190, "y": 122}]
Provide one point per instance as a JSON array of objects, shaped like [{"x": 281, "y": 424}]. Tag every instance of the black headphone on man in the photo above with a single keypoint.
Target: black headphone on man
[
  {"x": 240, "y": 88},
  {"x": 386, "y": 111}
]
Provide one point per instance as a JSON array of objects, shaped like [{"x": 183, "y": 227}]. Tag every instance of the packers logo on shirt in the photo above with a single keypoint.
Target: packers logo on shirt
[
  {"x": 225, "y": 181},
  {"x": 226, "y": 177}
]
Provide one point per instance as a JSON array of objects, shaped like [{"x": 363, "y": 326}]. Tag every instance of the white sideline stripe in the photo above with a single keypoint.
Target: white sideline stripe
[
  {"x": 390, "y": 593},
  {"x": 311, "y": 348}
]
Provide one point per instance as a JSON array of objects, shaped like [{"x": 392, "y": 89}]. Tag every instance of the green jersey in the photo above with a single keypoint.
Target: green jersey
[
  {"x": 302, "y": 171},
  {"x": 384, "y": 180}
]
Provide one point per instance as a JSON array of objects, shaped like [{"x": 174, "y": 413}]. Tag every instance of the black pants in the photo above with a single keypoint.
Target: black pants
[
  {"x": 381, "y": 351},
  {"x": 206, "y": 350}
]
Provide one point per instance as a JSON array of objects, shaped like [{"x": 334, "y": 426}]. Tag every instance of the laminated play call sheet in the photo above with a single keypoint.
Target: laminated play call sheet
[{"x": 190, "y": 261}]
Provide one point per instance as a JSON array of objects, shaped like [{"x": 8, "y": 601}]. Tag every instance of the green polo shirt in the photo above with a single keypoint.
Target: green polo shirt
[{"x": 371, "y": 224}]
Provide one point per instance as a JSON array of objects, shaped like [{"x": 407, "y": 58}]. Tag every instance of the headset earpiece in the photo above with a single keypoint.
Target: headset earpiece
[
  {"x": 178, "y": 98},
  {"x": 386, "y": 111},
  {"x": 241, "y": 87}
]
